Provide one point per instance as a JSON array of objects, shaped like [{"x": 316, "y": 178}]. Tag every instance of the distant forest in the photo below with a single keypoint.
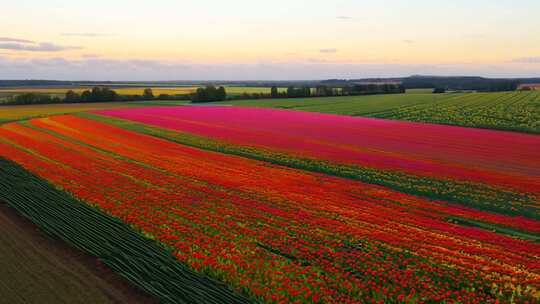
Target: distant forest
[
  {"x": 208, "y": 93},
  {"x": 460, "y": 83},
  {"x": 412, "y": 82},
  {"x": 29, "y": 83}
]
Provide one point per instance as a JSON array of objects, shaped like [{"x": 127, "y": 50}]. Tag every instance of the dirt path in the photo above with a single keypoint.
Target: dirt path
[{"x": 38, "y": 269}]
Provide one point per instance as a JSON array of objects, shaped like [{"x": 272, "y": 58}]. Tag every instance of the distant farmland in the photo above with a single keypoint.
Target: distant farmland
[
  {"x": 514, "y": 111},
  {"x": 12, "y": 113},
  {"x": 535, "y": 86},
  {"x": 180, "y": 90}
]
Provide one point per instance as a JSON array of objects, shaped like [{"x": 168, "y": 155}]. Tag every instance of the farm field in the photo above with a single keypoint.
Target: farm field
[
  {"x": 231, "y": 90},
  {"x": 462, "y": 192},
  {"x": 323, "y": 239},
  {"x": 59, "y": 274},
  {"x": 97, "y": 235},
  {"x": 420, "y": 91},
  {"x": 21, "y": 112},
  {"x": 349, "y": 152},
  {"x": 346, "y": 105},
  {"x": 431, "y": 151},
  {"x": 514, "y": 111},
  {"x": 534, "y": 86}
]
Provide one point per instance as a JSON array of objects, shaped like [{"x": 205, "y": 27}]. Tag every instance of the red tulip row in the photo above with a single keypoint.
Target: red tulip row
[{"x": 279, "y": 234}]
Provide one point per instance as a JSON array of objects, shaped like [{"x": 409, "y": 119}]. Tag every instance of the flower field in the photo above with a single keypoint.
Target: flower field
[
  {"x": 515, "y": 111},
  {"x": 501, "y": 160},
  {"x": 89, "y": 231},
  {"x": 463, "y": 153},
  {"x": 279, "y": 234}
]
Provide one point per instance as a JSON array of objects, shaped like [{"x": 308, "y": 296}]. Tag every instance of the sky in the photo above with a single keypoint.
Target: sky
[{"x": 267, "y": 40}]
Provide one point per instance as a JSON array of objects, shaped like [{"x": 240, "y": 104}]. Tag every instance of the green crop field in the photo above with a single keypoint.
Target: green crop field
[
  {"x": 515, "y": 111},
  {"x": 348, "y": 105}
]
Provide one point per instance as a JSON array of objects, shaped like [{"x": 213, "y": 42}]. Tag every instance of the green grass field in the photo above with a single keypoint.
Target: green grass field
[{"x": 514, "y": 111}]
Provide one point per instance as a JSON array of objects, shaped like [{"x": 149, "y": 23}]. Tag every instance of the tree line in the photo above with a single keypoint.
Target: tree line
[
  {"x": 105, "y": 94},
  {"x": 326, "y": 91},
  {"x": 461, "y": 83},
  {"x": 209, "y": 93},
  {"x": 96, "y": 94},
  {"x": 204, "y": 94}
]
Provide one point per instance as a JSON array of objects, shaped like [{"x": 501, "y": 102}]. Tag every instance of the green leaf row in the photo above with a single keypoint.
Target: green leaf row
[{"x": 140, "y": 260}]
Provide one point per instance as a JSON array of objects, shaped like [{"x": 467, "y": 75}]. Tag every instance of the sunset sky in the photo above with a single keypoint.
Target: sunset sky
[{"x": 247, "y": 40}]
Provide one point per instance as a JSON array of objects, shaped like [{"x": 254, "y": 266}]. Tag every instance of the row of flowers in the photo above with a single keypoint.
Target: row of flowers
[
  {"x": 492, "y": 157},
  {"x": 279, "y": 234}
]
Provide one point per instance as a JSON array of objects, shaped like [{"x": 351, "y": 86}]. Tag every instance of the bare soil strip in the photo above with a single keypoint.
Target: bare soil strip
[{"x": 39, "y": 269}]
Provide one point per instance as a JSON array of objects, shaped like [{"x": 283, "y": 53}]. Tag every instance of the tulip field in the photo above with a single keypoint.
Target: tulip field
[
  {"x": 414, "y": 157},
  {"x": 242, "y": 205},
  {"x": 144, "y": 263},
  {"x": 514, "y": 111}
]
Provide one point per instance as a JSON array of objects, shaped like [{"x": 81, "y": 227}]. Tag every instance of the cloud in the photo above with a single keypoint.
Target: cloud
[
  {"x": 344, "y": 17},
  {"x": 16, "y": 44},
  {"x": 37, "y": 47},
  {"x": 316, "y": 60},
  {"x": 100, "y": 69},
  {"x": 408, "y": 41},
  {"x": 87, "y": 35},
  {"x": 6, "y": 39},
  {"x": 533, "y": 59},
  {"x": 328, "y": 50},
  {"x": 91, "y": 56}
]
